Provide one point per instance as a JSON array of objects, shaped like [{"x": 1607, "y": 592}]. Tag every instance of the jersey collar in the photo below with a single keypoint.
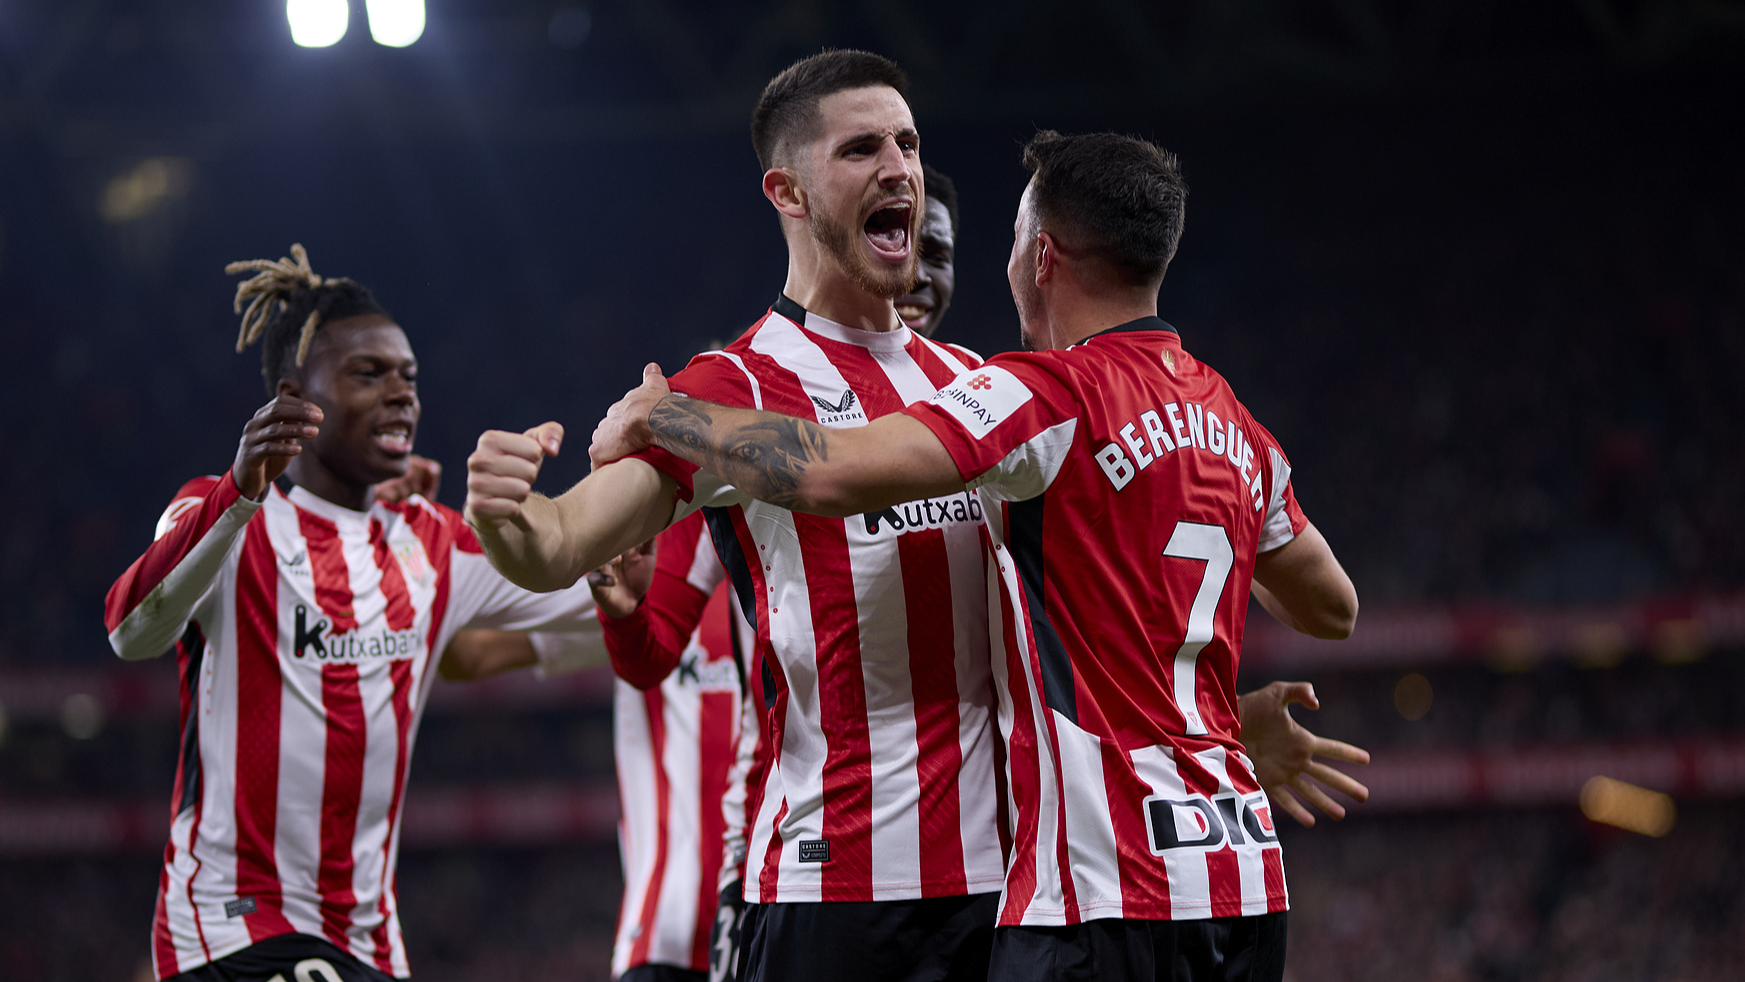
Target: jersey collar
[
  {"x": 1152, "y": 323},
  {"x": 338, "y": 514},
  {"x": 875, "y": 341}
]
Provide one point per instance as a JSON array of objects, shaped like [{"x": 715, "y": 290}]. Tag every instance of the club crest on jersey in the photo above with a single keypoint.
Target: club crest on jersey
[
  {"x": 841, "y": 411},
  {"x": 1207, "y": 824},
  {"x": 415, "y": 563},
  {"x": 930, "y": 513},
  {"x": 1168, "y": 359}
]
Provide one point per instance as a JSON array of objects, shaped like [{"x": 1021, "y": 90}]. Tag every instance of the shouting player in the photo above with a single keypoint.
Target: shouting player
[
  {"x": 875, "y": 848},
  {"x": 305, "y": 619},
  {"x": 1133, "y": 501}
]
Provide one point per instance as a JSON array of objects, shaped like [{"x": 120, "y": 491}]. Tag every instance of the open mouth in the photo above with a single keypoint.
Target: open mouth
[
  {"x": 914, "y": 314},
  {"x": 394, "y": 439},
  {"x": 887, "y": 230}
]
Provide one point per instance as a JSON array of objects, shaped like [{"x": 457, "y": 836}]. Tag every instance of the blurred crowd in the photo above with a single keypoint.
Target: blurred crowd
[
  {"x": 1516, "y": 896},
  {"x": 1557, "y": 702}
]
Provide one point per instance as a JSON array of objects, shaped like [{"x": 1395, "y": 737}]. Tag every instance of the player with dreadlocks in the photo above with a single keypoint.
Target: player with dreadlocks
[{"x": 306, "y": 617}]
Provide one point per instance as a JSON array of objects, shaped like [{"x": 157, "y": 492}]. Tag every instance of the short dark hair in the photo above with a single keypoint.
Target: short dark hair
[
  {"x": 1119, "y": 197},
  {"x": 334, "y": 300},
  {"x": 787, "y": 112},
  {"x": 941, "y": 188}
]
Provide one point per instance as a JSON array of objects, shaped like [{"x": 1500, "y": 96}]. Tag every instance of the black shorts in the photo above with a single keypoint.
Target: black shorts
[
  {"x": 1222, "y": 949},
  {"x": 295, "y": 957},
  {"x": 930, "y": 940},
  {"x": 726, "y": 953}
]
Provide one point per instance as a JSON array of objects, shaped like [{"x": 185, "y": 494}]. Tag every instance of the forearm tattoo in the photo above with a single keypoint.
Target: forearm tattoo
[{"x": 763, "y": 454}]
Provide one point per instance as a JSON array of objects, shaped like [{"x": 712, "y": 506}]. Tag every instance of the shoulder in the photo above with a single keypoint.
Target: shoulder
[
  {"x": 188, "y": 497},
  {"x": 955, "y": 356},
  {"x": 435, "y": 523},
  {"x": 199, "y": 487}
]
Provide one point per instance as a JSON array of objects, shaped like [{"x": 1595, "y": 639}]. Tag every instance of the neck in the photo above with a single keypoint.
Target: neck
[
  {"x": 817, "y": 283},
  {"x": 1075, "y": 317},
  {"x": 307, "y": 472}
]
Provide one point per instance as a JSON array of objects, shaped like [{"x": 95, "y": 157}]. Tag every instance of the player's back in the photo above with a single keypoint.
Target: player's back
[
  {"x": 1138, "y": 491},
  {"x": 1160, "y": 511}
]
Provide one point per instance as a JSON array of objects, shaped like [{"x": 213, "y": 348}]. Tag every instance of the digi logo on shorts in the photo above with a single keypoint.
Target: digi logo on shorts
[{"x": 1207, "y": 824}]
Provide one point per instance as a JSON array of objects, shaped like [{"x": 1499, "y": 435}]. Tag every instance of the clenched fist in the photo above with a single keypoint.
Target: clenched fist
[{"x": 501, "y": 471}]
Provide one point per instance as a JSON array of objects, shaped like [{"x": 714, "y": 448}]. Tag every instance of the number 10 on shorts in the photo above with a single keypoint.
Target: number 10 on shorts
[{"x": 1210, "y": 544}]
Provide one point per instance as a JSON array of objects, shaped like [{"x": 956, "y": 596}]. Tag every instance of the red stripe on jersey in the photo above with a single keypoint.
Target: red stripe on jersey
[
  {"x": 1063, "y": 856},
  {"x": 1144, "y": 880},
  {"x": 401, "y": 672},
  {"x": 1026, "y": 764},
  {"x": 653, "y": 706},
  {"x": 933, "y": 685},
  {"x": 258, "y": 691},
  {"x": 332, "y": 576},
  {"x": 162, "y": 555},
  {"x": 341, "y": 788},
  {"x": 1273, "y": 867},
  {"x": 162, "y": 944},
  {"x": 842, "y": 714},
  {"x": 400, "y": 614},
  {"x": 769, "y": 876},
  {"x": 1224, "y": 876}
]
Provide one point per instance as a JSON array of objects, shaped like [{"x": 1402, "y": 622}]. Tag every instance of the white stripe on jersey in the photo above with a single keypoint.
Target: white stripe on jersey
[
  {"x": 347, "y": 641},
  {"x": 844, "y": 374},
  {"x": 1276, "y": 531},
  {"x": 1090, "y": 832}
]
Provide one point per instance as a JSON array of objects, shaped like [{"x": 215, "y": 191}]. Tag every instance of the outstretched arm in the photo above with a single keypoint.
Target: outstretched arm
[
  {"x": 794, "y": 463},
  {"x": 1284, "y": 752},
  {"x": 544, "y": 544}
]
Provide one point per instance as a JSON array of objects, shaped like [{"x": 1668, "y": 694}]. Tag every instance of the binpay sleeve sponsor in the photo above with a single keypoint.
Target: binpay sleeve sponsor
[{"x": 982, "y": 398}]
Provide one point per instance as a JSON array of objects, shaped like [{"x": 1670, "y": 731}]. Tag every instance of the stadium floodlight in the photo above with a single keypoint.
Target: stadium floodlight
[
  {"x": 317, "y": 23},
  {"x": 395, "y": 23}
]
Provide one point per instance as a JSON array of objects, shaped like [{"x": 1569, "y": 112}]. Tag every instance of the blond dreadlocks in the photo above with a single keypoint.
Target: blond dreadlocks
[{"x": 287, "y": 299}]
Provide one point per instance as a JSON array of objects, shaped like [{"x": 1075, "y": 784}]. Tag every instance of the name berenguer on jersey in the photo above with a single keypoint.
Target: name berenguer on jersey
[{"x": 1189, "y": 425}]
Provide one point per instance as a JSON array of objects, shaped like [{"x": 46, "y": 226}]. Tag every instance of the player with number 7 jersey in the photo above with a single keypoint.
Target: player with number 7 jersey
[{"x": 1139, "y": 491}]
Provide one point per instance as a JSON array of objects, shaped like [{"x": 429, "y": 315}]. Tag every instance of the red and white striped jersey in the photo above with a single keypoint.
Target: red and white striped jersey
[
  {"x": 677, "y": 736},
  {"x": 305, "y": 635},
  {"x": 1138, "y": 492},
  {"x": 872, "y": 632}
]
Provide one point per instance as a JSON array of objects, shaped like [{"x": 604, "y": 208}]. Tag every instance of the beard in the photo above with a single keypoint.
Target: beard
[{"x": 877, "y": 279}]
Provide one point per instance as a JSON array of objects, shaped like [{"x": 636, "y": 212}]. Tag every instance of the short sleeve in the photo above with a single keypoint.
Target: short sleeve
[
  {"x": 713, "y": 376},
  {"x": 1008, "y": 425},
  {"x": 1284, "y": 519}
]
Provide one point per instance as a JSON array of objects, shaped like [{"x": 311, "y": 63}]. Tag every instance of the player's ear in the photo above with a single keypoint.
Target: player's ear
[
  {"x": 290, "y": 387},
  {"x": 1047, "y": 257},
  {"x": 783, "y": 189}
]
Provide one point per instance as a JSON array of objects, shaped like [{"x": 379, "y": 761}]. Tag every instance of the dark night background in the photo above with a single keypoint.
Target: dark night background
[{"x": 1480, "y": 266}]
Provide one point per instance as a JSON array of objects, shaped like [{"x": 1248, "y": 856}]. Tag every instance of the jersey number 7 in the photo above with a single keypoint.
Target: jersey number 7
[{"x": 1211, "y": 544}]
